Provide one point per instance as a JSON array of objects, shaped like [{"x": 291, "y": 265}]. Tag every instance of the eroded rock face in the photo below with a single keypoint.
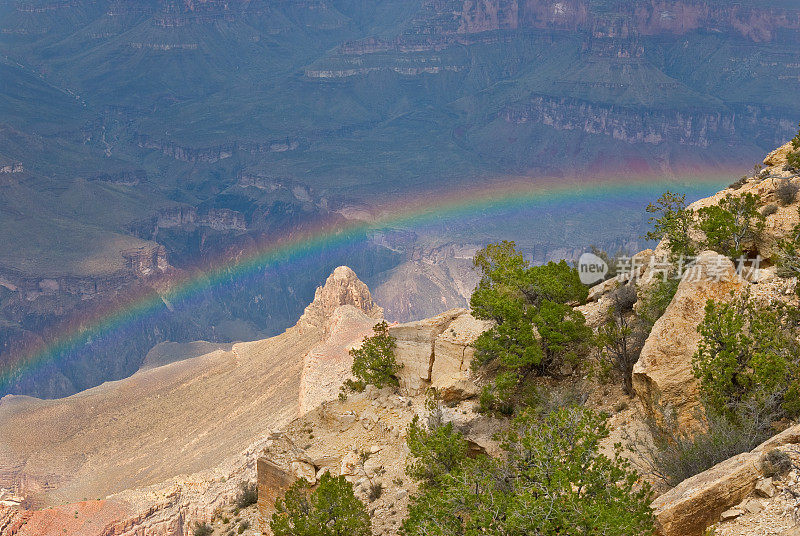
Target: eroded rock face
[
  {"x": 273, "y": 481},
  {"x": 663, "y": 378},
  {"x": 328, "y": 364},
  {"x": 437, "y": 351},
  {"x": 343, "y": 287}
]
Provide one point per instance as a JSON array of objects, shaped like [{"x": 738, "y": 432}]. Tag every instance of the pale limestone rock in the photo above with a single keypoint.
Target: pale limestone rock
[
  {"x": 601, "y": 289},
  {"x": 437, "y": 351},
  {"x": 343, "y": 287},
  {"x": 663, "y": 377},
  {"x": 777, "y": 158},
  {"x": 344, "y": 310},
  {"x": 699, "y": 501},
  {"x": 304, "y": 470},
  {"x": 765, "y": 488},
  {"x": 350, "y": 464},
  {"x": 752, "y": 506},
  {"x": 733, "y": 513},
  {"x": 327, "y": 365}
]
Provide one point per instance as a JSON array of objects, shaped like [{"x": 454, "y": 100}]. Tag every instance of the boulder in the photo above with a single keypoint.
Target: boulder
[
  {"x": 765, "y": 488},
  {"x": 692, "y": 506},
  {"x": 663, "y": 377},
  {"x": 272, "y": 483},
  {"x": 437, "y": 352},
  {"x": 350, "y": 465},
  {"x": 697, "y": 502}
]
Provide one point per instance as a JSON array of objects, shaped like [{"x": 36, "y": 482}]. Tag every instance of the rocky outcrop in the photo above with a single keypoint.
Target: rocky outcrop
[
  {"x": 342, "y": 288},
  {"x": 273, "y": 482},
  {"x": 213, "y": 153},
  {"x": 437, "y": 352},
  {"x": 327, "y": 365},
  {"x": 764, "y": 185},
  {"x": 696, "y": 503},
  {"x": 663, "y": 377},
  {"x": 9, "y": 168}
]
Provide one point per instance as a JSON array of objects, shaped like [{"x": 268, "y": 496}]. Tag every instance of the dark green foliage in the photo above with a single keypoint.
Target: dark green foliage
[
  {"x": 563, "y": 335},
  {"x": 518, "y": 298},
  {"x": 748, "y": 355},
  {"x": 555, "y": 282},
  {"x": 732, "y": 226},
  {"x": 672, "y": 222},
  {"x": 435, "y": 451},
  {"x": 248, "y": 494},
  {"x": 374, "y": 362},
  {"x": 243, "y": 526},
  {"x": 332, "y": 509},
  {"x": 655, "y": 299},
  {"x": 202, "y": 529},
  {"x": 551, "y": 480}
]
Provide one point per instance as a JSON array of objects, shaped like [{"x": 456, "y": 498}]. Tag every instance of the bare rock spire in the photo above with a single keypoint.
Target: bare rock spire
[{"x": 343, "y": 287}]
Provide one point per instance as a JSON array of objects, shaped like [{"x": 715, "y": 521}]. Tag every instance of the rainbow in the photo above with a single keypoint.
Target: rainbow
[{"x": 421, "y": 210}]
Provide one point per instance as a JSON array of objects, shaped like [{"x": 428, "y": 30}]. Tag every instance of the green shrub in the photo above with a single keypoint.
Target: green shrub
[
  {"x": 551, "y": 480},
  {"x": 435, "y": 452},
  {"x": 748, "y": 354},
  {"x": 243, "y": 526},
  {"x": 374, "y": 362},
  {"x": 564, "y": 336},
  {"x": 672, "y": 222},
  {"x": 655, "y": 299},
  {"x": 248, "y": 494},
  {"x": 788, "y": 256},
  {"x": 332, "y": 509},
  {"x": 518, "y": 298},
  {"x": 732, "y": 226}
]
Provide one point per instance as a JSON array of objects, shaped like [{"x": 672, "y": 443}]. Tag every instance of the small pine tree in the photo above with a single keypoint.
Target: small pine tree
[
  {"x": 672, "y": 222},
  {"x": 732, "y": 225},
  {"x": 519, "y": 297},
  {"x": 330, "y": 510},
  {"x": 552, "y": 480},
  {"x": 374, "y": 363},
  {"x": 748, "y": 354}
]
